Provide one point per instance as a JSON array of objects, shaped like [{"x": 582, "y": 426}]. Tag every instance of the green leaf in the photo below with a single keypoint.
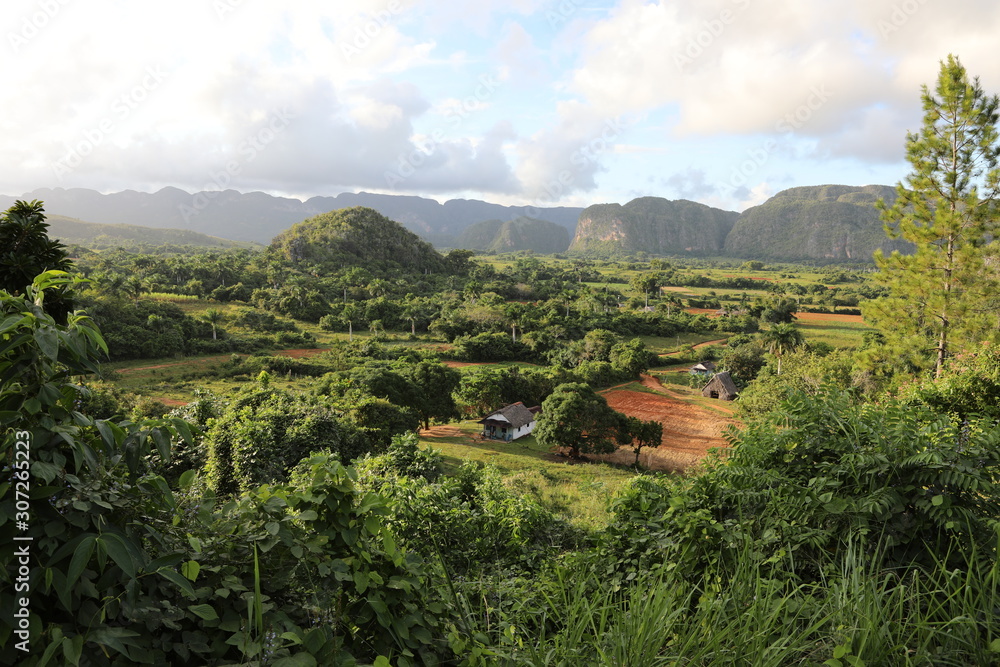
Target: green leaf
[
  {"x": 45, "y": 470},
  {"x": 81, "y": 556},
  {"x": 72, "y": 649},
  {"x": 176, "y": 578},
  {"x": 187, "y": 479},
  {"x": 297, "y": 660},
  {"x": 995, "y": 646},
  {"x": 191, "y": 569},
  {"x": 937, "y": 501},
  {"x": 382, "y": 661},
  {"x": 47, "y": 339},
  {"x": 119, "y": 553},
  {"x": 181, "y": 582},
  {"x": 204, "y": 611}
]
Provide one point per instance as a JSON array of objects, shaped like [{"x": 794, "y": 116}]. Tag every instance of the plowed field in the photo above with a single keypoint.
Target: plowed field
[{"x": 689, "y": 430}]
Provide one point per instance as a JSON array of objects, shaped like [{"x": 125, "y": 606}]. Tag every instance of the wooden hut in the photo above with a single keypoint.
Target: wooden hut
[{"x": 721, "y": 386}]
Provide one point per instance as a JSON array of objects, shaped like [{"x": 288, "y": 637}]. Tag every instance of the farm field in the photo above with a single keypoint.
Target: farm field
[{"x": 579, "y": 491}]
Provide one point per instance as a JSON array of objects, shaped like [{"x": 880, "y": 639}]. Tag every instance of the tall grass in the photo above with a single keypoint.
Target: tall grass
[{"x": 743, "y": 615}]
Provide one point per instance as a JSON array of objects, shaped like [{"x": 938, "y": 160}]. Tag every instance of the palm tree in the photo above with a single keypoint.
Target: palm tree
[
  {"x": 782, "y": 338},
  {"x": 134, "y": 287},
  {"x": 213, "y": 317},
  {"x": 349, "y": 314}
]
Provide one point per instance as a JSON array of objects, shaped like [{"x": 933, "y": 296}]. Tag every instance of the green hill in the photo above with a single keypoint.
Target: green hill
[
  {"x": 96, "y": 235},
  {"x": 539, "y": 236},
  {"x": 654, "y": 225},
  {"x": 357, "y": 236},
  {"x": 835, "y": 222}
]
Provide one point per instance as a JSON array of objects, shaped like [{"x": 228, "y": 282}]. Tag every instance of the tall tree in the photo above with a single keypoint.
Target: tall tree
[
  {"x": 782, "y": 338},
  {"x": 940, "y": 295},
  {"x": 433, "y": 386},
  {"x": 576, "y": 417},
  {"x": 214, "y": 317},
  {"x": 638, "y": 434},
  {"x": 26, "y": 251},
  {"x": 646, "y": 283}
]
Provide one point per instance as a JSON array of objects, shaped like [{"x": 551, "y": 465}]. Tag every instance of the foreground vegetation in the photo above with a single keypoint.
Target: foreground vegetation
[{"x": 288, "y": 514}]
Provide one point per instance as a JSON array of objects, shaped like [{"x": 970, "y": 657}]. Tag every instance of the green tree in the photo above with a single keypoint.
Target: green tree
[
  {"x": 576, "y": 417},
  {"x": 638, "y": 433},
  {"x": 28, "y": 251},
  {"x": 940, "y": 295},
  {"x": 433, "y": 385},
  {"x": 214, "y": 317},
  {"x": 646, "y": 283},
  {"x": 782, "y": 338}
]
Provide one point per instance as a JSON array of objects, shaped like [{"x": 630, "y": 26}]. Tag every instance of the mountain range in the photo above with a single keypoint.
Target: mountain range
[
  {"x": 824, "y": 223},
  {"x": 257, "y": 216}
]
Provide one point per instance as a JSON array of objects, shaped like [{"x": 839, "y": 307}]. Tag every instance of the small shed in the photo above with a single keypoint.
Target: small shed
[
  {"x": 703, "y": 368},
  {"x": 509, "y": 422},
  {"x": 721, "y": 386}
]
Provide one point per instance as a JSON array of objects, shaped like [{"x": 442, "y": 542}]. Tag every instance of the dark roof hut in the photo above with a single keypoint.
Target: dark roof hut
[
  {"x": 721, "y": 386},
  {"x": 703, "y": 368}
]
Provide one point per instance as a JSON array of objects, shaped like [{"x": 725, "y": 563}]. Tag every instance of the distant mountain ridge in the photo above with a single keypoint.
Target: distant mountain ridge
[
  {"x": 825, "y": 222},
  {"x": 97, "y": 235},
  {"x": 653, "y": 225},
  {"x": 257, "y": 216},
  {"x": 540, "y": 236}
]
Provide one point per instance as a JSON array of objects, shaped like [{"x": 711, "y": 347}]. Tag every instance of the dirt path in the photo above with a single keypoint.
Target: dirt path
[{"x": 441, "y": 431}]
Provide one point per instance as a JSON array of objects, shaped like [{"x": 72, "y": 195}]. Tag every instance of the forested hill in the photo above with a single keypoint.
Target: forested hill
[
  {"x": 539, "y": 236},
  {"x": 824, "y": 222},
  {"x": 835, "y": 222},
  {"x": 654, "y": 225},
  {"x": 96, "y": 235},
  {"x": 257, "y": 216},
  {"x": 356, "y": 236}
]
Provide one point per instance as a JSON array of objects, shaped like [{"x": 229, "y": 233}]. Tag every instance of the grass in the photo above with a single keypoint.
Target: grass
[
  {"x": 578, "y": 491},
  {"x": 739, "y": 614},
  {"x": 837, "y": 334}
]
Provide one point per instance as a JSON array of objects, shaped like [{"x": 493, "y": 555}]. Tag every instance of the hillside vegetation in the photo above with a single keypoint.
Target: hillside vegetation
[
  {"x": 825, "y": 222},
  {"x": 97, "y": 235},
  {"x": 832, "y": 222},
  {"x": 538, "y": 236},
  {"x": 356, "y": 236},
  {"x": 653, "y": 225}
]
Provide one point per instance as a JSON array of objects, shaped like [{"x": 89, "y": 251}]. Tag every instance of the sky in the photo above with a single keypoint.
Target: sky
[{"x": 527, "y": 102}]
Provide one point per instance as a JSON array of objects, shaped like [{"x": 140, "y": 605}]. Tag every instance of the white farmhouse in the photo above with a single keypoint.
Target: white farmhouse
[{"x": 509, "y": 422}]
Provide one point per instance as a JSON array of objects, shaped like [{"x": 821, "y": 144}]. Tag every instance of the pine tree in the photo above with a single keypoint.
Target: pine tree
[{"x": 940, "y": 294}]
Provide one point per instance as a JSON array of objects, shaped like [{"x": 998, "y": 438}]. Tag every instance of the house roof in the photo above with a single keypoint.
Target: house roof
[
  {"x": 515, "y": 414},
  {"x": 723, "y": 381},
  {"x": 704, "y": 366}
]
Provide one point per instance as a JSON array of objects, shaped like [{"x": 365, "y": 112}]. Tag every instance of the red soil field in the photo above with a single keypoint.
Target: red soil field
[{"x": 689, "y": 430}]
